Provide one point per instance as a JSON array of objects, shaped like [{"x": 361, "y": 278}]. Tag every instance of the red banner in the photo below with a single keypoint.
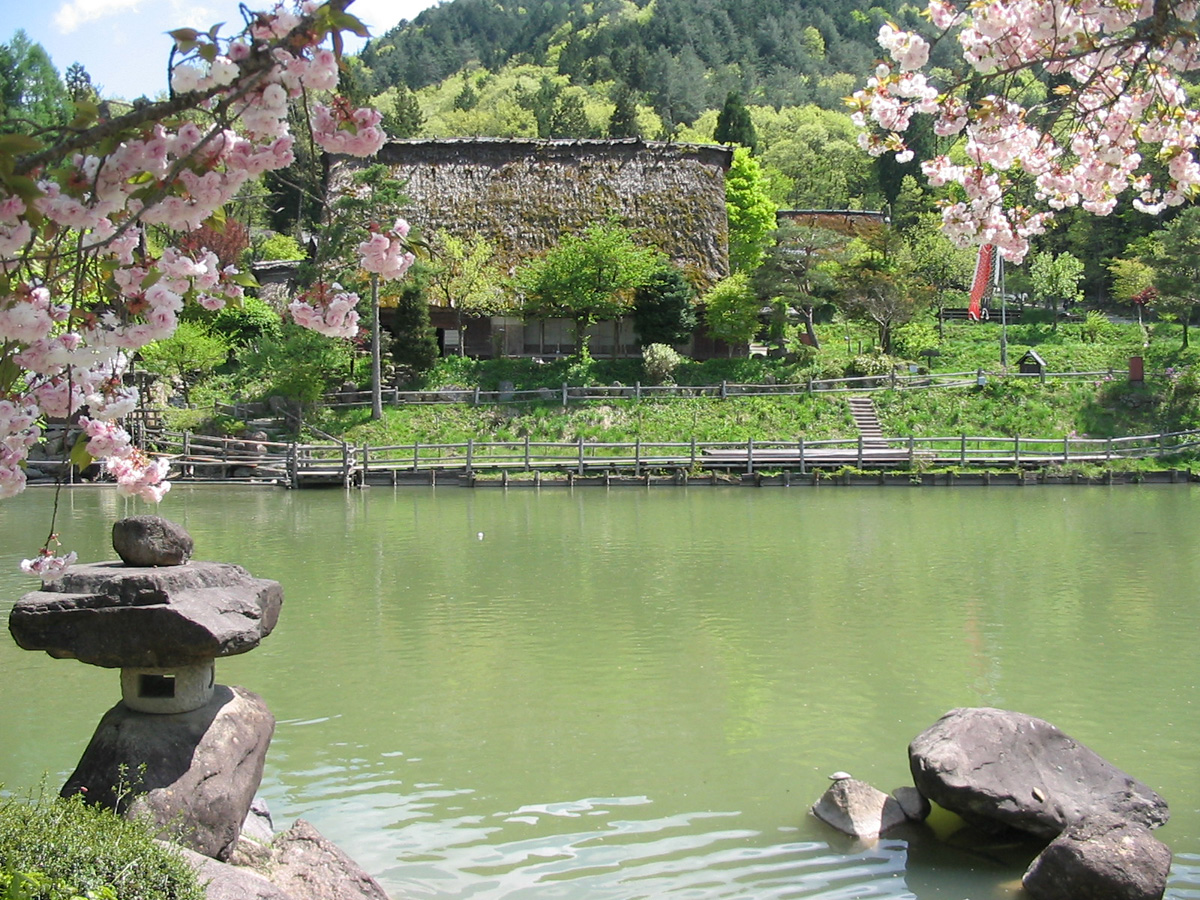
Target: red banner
[{"x": 981, "y": 287}]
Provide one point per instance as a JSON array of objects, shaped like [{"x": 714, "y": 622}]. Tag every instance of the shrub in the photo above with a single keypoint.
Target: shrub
[
  {"x": 869, "y": 364},
  {"x": 659, "y": 363},
  {"x": 64, "y": 849},
  {"x": 277, "y": 246}
]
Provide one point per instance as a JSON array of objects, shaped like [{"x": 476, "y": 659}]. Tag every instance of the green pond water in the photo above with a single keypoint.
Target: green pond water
[{"x": 638, "y": 693}]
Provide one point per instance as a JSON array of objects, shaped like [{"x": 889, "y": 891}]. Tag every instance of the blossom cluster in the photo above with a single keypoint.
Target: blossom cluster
[
  {"x": 327, "y": 309},
  {"x": 80, "y": 291},
  {"x": 1116, "y": 64},
  {"x": 386, "y": 253}
]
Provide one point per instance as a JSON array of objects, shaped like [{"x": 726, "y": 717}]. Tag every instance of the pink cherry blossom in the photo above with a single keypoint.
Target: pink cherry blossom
[
  {"x": 82, "y": 212},
  {"x": 1123, "y": 86}
]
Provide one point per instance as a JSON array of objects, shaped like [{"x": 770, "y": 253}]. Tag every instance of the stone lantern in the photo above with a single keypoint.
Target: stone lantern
[{"x": 178, "y": 744}]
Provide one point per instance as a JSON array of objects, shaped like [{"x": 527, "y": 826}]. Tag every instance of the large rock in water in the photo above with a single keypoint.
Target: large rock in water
[
  {"x": 195, "y": 773},
  {"x": 995, "y": 767},
  {"x": 1103, "y": 858},
  {"x": 112, "y": 615},
  {"x": 858, "y": 809}
]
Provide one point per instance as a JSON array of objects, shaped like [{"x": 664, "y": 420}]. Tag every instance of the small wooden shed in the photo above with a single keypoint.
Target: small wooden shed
[{"x": 1031, "y": 364}]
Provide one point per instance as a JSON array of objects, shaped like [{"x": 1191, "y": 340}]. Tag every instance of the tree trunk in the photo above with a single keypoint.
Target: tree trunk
[
  {"x": 376, "y": 363},
  {"x": 810, "y": 328}
]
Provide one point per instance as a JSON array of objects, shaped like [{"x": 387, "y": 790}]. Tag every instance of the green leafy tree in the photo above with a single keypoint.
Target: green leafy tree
[
  {"x": 1055, "y": 278},
  {"x": 414, "y": 346},
  {"x": 248, "y": 325},
  {"x": 751, "y": 212},
  {"x": 797, "y": 268},
  {"x": 462, "y": 275},
  {"x": 186, "y": 357},
  {"x": 936, "y": 259},
  {"x": 734, "y": 125},
  {"x": 664, "y": 308},
  {"x": 881, "y": 286},
  {"x": 587, "y": 278},
  {"x": 32, "y": 96},
  {"x": 1176, "y": 266},
  {"x": 301, "y": 366},
  {"x": 1133, "y": 282},
  {"x": 731, "y": 311}
]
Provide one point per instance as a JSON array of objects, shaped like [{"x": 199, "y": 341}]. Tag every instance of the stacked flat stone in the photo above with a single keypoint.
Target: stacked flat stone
[{"x": 178, "y": 745}]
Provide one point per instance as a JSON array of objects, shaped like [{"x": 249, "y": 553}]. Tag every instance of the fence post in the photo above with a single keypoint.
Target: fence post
[
  {"x": 802, "y": 472},
  {"x": 366, "y": 454},
  {"x": 1016, "y": 450},
  {"x": 1108, "y": 450},
  {"x": 693, "y": 452},
  {"x": 470, "y": 453},
  {"x": 724, "y": 390},
  {"x": 564, "y": 394},
  {"x": 637, "y": 390},
  {"x": 416, "y": 456},
  {"x": 1066, "y": 448},
  {"x": 345, "y": 465},
  {"x": 962, "y": 452},
  {"x": 912, "y": 450},
  {"x": 293, "y": 465},
  {"x": 224, "y": 458},
  {"x": 637, "y": 456},
  {"x": 581, "y": 454},
  {"x": 860, "y": 451},
  {"x": 810, "y": 383},
  {"x": 476, "y": 402},
  {"x": 750, "y": 456}
]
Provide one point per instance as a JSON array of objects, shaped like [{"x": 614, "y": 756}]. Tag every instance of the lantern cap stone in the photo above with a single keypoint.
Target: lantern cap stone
[
  {"x": 114, "y": 615},
  {"x": 151, "y": 541}
]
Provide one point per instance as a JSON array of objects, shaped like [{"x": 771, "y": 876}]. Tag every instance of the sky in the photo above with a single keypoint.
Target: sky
[{"x": 123, "y": 43}]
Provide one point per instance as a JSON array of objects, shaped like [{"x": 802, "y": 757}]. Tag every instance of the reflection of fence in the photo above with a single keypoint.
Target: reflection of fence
[
  {"x": 566, "y": 394},
  {"x": 306, "y": 464}
]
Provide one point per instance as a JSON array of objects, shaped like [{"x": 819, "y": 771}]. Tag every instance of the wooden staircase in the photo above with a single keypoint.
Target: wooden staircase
[{"x": 867, "y": 422}]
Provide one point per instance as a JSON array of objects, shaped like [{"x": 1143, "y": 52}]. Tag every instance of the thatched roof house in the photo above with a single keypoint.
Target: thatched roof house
[{"x": 522, "y": 194}]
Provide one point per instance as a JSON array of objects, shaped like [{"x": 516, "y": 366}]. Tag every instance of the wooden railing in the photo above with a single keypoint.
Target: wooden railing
[
  {"x": 301, "y": 464},
  {"x": 566, "y": 394}
]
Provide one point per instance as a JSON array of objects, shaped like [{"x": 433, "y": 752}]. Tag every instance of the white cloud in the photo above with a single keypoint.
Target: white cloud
[{"x": 79, "y": 12}]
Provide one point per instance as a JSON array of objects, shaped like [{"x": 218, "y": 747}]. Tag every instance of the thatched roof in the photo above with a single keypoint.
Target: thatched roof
[
  {"x": 852, "y": 222},
  {"x": 522, "y": 194}
]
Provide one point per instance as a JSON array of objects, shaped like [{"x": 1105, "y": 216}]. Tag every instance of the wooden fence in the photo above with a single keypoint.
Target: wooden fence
[
  {"x": 567, "y": 394},
  {"x": 308, "y": 464}
]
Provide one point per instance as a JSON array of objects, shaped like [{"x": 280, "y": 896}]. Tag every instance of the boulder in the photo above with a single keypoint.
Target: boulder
[
  {"x": 151, "y": 541},
  {"x": 915, "y": 806},
  {"x": 858, "y": 809},
  {"x": 195, "y": 773},
  {"x": 999, "y": 768},
  {"x": 1100, "y": 858},
  {"x": 308, "y": 866},
  {"x": 224, "y": 882},
  {"x": 113, "y": 615}
]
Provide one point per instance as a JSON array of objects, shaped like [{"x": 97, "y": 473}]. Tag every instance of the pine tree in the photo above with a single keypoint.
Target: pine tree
[
  {"x": 414, "y": 348},
  {"x": 734, "y": 125},
  {"x": 624, "y": 120}
]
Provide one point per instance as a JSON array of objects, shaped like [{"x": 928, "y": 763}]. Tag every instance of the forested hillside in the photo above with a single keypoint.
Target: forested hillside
[{"x": 684, "y": 56}]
